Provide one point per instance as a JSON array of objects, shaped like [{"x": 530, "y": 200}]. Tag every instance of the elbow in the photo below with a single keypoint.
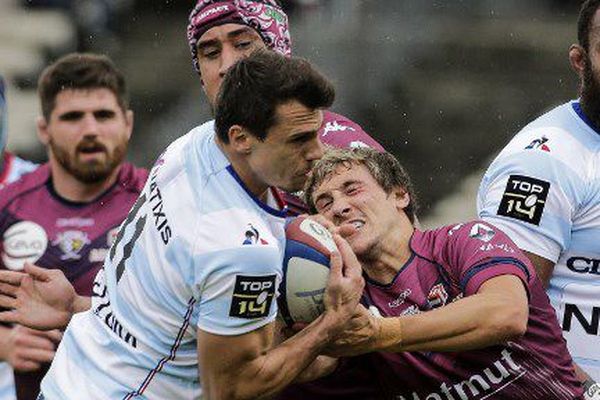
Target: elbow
[{"x": 509, "y": 323}]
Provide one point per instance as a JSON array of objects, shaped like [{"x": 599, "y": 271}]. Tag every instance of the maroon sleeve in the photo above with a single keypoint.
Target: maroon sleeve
[{"x": 477, "y": 251}]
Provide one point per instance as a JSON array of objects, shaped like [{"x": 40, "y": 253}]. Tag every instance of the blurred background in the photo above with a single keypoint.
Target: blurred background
[{"x": 442, "y": 84}]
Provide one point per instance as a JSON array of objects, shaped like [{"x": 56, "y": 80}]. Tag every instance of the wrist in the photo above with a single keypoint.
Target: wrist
[
  {"x": 80, "y": 304},
  {"x": 389, "y": 334}
]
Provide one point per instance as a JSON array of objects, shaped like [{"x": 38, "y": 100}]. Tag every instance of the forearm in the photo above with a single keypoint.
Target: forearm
[
  {"x": 470, "y": 323},
  {"x": 268, "y": 373}
]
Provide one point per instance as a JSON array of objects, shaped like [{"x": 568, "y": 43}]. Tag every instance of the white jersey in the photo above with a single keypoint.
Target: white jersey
[
  {"x": 12, "y": 169},
  {"x": 543, "y": 190},
  {"x": 197, "y": 251}
]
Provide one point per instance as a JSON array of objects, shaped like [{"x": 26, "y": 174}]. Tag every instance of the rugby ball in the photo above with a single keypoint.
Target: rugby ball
[{"x": 305, "y": 270}]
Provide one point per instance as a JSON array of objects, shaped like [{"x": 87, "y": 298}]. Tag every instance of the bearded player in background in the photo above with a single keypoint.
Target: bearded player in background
[{"x": 65, "y": 214}]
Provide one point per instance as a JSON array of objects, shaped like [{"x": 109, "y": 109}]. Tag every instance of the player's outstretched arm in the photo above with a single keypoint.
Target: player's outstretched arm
[
  {"x": 498, "y": 312},
  {"x": 39, "y": 298},
  {"x": 248, "y": 367}
]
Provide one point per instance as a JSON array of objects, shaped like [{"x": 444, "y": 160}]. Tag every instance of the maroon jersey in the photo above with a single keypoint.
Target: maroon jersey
[
  {"x": 448, "y": 264},
  {"x": 38, "y": 226}
]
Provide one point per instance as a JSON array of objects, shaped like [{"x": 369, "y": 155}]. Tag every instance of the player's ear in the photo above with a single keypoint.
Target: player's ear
[
  {"x": 240, "y": 139},
  {"x": 577, "y": 58},
  {"x": 129, "y": 122},
  {"x": 401, "y": 197},
  {"x": 42, "y": 130}
]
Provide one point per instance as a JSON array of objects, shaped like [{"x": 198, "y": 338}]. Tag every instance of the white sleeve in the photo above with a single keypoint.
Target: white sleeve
[
  {"x": 532, "y": 195},
  {"x": 237, "y": 289}
]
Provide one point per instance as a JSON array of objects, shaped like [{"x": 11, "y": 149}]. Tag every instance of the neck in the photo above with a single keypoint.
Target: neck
[
  {"x": 70, "y": 188},
  {"x": 239, "y": 164},
  {"x": 391, "y": 255}
]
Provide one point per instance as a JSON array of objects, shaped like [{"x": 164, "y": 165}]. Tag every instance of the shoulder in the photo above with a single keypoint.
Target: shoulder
[
  {"x": 559, "y": 144},
  {"x": 20, "y": 167},
  {"x": 460, "y": 237},
  {"x": 341, "y": 132},
  {"x": 25, "y": 185},
  {"x": 132, "y": 177}
]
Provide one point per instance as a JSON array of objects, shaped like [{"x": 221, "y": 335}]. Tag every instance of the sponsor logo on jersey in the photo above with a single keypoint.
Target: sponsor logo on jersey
[
  {"x": 584, "y": 265},
  {"x": 252, "y": 296},
  {"x": 482, "y": 232},
  {"x": 74, "y": 222},
  {"x": 158, "y": 215},
  {"x": 412, "y": 310},
  {"x": 102, "y": 309},
  {"x": 438, "y": 296},
  {"x": 401, "y": 298},
  {"x": 334, "y": 126},
  {"x": 252, "y": 236},
  {"x": 455, "y": 228},
  {"x": 23, "y": 242},
  {"x": 71, "y": 243},
  {"x": 539, "y": 144},
  {"x": 524, "y": 199},
  {"x": 589, "y": 321},
  {"x": 482, "y": 385},
  {"x": 497, "y": 246}
]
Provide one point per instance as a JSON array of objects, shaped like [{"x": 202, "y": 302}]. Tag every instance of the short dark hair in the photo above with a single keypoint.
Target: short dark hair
[
  {"x": 584, "y": 23},
  {"x": 256, "y": 85},
  {"x": 383, "y": 167},
  {"x": 80, "y": 71}
]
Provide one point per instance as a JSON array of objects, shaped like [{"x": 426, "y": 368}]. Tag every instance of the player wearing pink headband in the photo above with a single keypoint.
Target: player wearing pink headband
[{"x": 220, "y": 32}]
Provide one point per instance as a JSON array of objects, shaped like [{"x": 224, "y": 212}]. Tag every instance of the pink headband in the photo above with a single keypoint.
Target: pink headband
[{"x": 265, "y": 16}]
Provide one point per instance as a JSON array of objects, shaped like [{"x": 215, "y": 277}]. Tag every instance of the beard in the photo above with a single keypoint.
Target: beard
[
  {"x": 93, "y": 171},
  {"x": 590, "y": 93}
]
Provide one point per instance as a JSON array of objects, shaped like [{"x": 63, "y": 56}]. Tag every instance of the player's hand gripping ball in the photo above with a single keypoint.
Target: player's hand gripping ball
[{"x": 305, "y": 270}]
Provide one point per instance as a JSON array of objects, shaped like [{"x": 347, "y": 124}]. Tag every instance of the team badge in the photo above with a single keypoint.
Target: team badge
[
  {"x": 524, "y": 199},
  {"x": 438, "y": 296},
  {"x": 71, "y": 243},
  {"x": 252, "y": 236},
  {"x": 252, "y": 296},
  {"x": 482, "y": 232},
  {"x": 539, "y": 144}
]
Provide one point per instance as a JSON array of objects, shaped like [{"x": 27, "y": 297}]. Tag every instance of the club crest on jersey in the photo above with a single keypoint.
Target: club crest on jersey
[
  {"x": 252, "y": 296},
  {"x": 252, "y": 236},
  {"x": 438, "y": 296},
  {"x": 539, "y": 144},
  {"x": 71, "y": 243},
  {"x": 482, "y": 232},
  {"x": 524, "y": 199}
]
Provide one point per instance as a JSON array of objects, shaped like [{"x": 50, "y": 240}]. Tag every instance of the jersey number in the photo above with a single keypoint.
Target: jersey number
[{"x": 128, "y": 247}]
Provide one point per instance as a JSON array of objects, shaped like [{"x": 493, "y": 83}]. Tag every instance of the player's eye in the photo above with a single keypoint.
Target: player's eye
[
  {"x": 71, "y": 116},
  {"x": 210, "y": 53},
  {"x": 323, "y": 205},
  {"x": 104, "y": 114},
  {"x": 245, "y": 44}
]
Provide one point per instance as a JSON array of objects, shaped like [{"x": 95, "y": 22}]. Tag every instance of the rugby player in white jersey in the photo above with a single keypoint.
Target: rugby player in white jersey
[
  {"x": 543, "y": 189},
  {"x": 11, "y": 169},
  {"x": 185, "y": 307}
]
